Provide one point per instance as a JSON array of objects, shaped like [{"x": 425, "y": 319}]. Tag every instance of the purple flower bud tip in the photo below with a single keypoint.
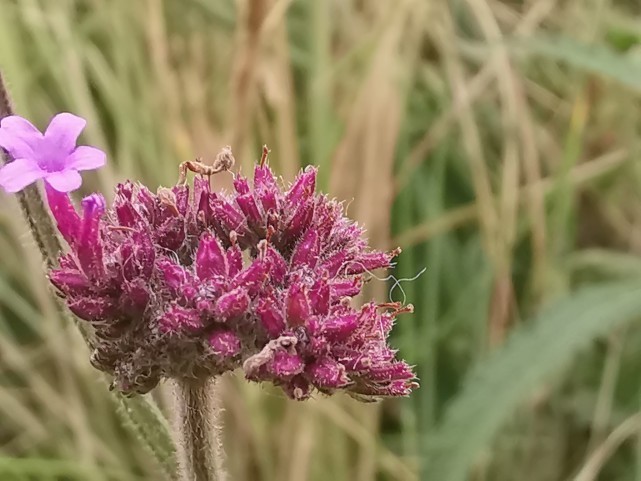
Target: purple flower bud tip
[
  {"x": 94, "y": 203},
  {"x": 232, "y": 304},
  {"x": 328, "y": 374},
  {"x": 70, "y": 282},
  {"x": 210, "y": 259},
  {"x": 52, "y": 156},
  {"x": 285, "y": 365},
  {"x": 189, "y": 281},
  {"x": 298, "y": 308}
]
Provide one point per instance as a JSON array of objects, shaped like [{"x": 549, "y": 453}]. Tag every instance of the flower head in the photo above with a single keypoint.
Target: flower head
[
  {"x": 183, "y": 284},
  {"x": 52, "y": 156}
]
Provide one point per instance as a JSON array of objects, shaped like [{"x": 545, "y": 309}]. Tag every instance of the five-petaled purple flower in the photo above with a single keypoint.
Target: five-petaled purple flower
[{"x": 52, "y": 156}]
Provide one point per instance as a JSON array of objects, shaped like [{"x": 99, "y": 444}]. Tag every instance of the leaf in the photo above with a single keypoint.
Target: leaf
[
  {"x": 532, "y": 354},
  {"x": 597, "y": 59}
]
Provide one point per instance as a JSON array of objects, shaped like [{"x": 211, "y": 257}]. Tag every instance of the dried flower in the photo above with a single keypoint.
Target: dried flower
[
  {"x": 179, "y": 284},
  {"x": 52, "y": 156}
]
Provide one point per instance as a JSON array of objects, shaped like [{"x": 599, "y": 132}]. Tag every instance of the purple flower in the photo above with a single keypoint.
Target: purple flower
[
  {"x": 52, "y": 156},
  {"x": 182, "y": 284}
]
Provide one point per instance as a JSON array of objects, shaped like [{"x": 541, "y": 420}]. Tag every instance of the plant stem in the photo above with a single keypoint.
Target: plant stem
[{"x": 196, "y": 426}]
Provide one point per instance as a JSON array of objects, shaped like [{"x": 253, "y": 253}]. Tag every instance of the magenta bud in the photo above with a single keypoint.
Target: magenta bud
[
  {"x": 88, "y": 242},
  {"x": 299, "y": 221},
  {"x": 390, "y": 372},
  {"x": 356, "y": 361},
  {"x": 319, "y": 297},
  {"x": 202, "y": 196},
  {"x": 271, "y": 317},
  {"x": 326, "y": 373},
  {"x": 177, "y": 319},
  {"x": 285, "y": 365},
  {"x": 307, "y": 250},
  {"x": 278, "y": 265},
  {"x": 346, "y": 287},
  {"x": 63, "y": 211},
  {"x": 399, "y": 388},
  {"x": 123, "y": 207},
  {"x": 234, "y": 260},
  {"x": 224, "y": 343},
  {"x": 241, "y": 184},
  {"x": 335, "y": 262},
  {"x": 298, "y": 308},
  {"x": 247, "y": 204},
  {"x": 210, "y": 259},
  {"x": 368, "y": 262},
  {"x": 172, "y": 274},
  {"x": 137, "y": 256},
  {"x": 92, "y": 309},
  {"x": 326, "y": 216},
  {"x": 303, "y": 186},
  {"x": 264, "y": 178},
  {"x": 266, "y": 188},
  {"x": 171, "y": 233},
  {"x": 369, "y": 320},
  {"x": 93, "y": 206},
  {"x": 268, "y": 200},
  {"x": 70, "y": 282},
  {"x": 319, "y": 345},
  {"x": 146, "y": 201},
  {"x": 232, "y": 304},
  {"x": 385, "y": 322},
  {"x": 227, "y": 215},
  {"x": 340, "y": 327},
  {"x": 181, "y": 192},
  {"x": 253, "y": 277},
  {"x": 124, "y": 192}
]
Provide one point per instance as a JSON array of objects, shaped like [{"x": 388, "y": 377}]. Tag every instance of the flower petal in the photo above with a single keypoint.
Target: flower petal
[
  {"x": 64, "y": 181},
  {"x": 63, "y": 131},
  {"x": 18, "y": 174},
  {"x": 86, "y": 158},
  {"x": 19, "y": 137}
]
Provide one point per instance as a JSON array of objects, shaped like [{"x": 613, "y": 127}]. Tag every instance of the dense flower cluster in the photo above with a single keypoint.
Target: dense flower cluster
[{"x": 181, "y": 283}]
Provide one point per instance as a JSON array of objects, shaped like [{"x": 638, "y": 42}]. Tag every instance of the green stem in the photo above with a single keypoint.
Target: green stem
[{"x": 196, "y": 424}]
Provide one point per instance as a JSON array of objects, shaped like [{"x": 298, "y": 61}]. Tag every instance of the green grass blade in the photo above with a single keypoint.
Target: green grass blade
[
  {"x": 532, "y": 354},
  {"x": 598, "y": 58}
]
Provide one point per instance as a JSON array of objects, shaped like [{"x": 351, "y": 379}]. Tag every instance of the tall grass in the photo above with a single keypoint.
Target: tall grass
[{"x": 496, "y": 142}]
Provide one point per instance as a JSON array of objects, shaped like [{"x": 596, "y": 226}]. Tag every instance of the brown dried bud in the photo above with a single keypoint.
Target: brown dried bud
[{"x": 224, "y": 160}]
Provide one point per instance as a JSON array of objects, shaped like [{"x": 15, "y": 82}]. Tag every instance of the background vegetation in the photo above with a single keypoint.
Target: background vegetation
[{"x": 497, "y": 142}]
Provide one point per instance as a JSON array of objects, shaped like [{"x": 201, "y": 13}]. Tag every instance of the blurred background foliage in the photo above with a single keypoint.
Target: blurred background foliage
[{"x": 497, "y": 142}]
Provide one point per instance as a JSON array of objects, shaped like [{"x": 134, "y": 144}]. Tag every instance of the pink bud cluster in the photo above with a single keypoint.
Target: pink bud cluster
[{"x": 180, "y": 284}]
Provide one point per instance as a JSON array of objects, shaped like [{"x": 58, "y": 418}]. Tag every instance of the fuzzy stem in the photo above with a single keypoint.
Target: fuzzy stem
[
  {"x": 197, "y": 430},
  {"x": 141, "y": 415}
]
